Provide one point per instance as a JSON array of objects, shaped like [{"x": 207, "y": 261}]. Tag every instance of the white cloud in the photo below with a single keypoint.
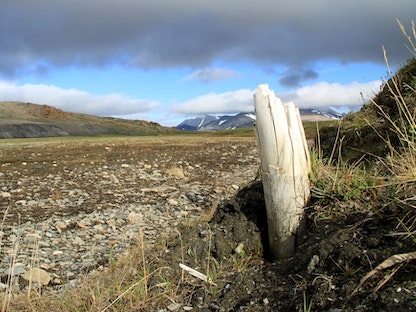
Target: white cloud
[
  {"x": 74, "y": 100},
  {"x": 217, "y": 103},
  {"x": 324, "y": 94},
  {"x": 211, "y": 74}
]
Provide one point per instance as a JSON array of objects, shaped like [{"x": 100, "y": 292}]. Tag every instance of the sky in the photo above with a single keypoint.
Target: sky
[{"x": 168, "y": 60}]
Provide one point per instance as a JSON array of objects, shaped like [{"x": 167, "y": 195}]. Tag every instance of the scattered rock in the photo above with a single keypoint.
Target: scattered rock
[{"x": 75, "y": 215}]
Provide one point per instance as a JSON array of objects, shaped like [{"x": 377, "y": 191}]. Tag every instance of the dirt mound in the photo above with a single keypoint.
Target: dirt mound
[
  {"x": 403, "y": 83},
  {"x": 369, "y": 132},
  {"x": 323, "y": 273}
]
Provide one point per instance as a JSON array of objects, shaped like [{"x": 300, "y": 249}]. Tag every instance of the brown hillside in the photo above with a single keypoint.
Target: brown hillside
[{"x": 32, "y": 120}]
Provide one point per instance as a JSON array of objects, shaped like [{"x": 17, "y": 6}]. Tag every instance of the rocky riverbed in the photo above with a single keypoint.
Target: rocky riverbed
[{"x": 70, "y": 206}]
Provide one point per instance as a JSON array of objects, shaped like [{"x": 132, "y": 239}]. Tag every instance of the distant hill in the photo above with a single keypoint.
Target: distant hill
[
  {"x": 246, "y": 120},
  {"x": 27, "y": 120}
]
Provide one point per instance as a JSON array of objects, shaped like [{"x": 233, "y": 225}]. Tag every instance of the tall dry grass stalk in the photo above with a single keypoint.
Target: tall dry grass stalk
[
  {"x": 410, "y": 38},
  {"x": 401, "y": 163},
  {"x": 11, "y": 277}
]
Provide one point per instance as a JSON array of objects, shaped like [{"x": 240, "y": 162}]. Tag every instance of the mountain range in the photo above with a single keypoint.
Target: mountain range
[{"x": 246, "y": 120}]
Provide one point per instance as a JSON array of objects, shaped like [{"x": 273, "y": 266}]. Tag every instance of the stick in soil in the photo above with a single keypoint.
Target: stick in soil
[{"x": 196, "y": 274}]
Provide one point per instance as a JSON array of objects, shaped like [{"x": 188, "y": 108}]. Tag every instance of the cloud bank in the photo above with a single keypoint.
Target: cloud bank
[
  {"x": 73, "y": 100},
  {"x": 215, "y": 103},
  {"x": 322, "y": 94},
  {"x": 325, "y": 94}
]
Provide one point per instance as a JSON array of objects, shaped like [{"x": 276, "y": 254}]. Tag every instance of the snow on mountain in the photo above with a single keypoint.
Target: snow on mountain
[
  {"x": 246, "y": 120},
  {"x": 252, "y": 116},
  {"x": 196, "y": 123}
]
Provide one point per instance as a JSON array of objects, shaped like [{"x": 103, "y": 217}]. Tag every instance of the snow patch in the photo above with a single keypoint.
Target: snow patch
[
  {"x": 252, "y": 116},
  {"x": 201, "y": 123}
]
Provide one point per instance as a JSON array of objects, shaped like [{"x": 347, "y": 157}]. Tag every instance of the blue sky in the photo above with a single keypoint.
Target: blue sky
[{"x": 165, "y": 61}]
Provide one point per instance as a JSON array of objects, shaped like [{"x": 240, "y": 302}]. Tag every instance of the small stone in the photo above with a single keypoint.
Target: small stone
[
  {"x": 58, "y": 253},
  {"x": 134, "y": 217},
  {"x": 32, "y": 237},
  {"x": 5, "y": 195},
  {"x": 239, "y": 249},
  {"x": 111, "y": 222},
  {"x": 78, "y": 241},
  {"x": 174, "y": 307},
  {"x": 70, "y": 274},
  {"x": 37, "y": 275},
  {"x": 82, "y": 224},
  {"x": 175, "y": 172},
  {"x": 57, "y": 281},
  {"x": 43, "y": 243},
  {"x": 184, "y": 213},
  {"x": 173, "y": 202},
  {"x": 99, "y": 228},
  {"x": 313, "y": 263},
  {"x": 15, "y": 271},
  {"x": 114, "y": 179}
]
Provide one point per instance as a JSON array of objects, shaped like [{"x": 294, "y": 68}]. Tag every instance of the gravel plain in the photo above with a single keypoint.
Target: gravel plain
[{"x": 71, "y": 205}]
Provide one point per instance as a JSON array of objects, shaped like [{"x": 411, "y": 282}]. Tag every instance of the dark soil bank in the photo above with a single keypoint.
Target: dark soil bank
[{"x": 321, "y": 276}]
